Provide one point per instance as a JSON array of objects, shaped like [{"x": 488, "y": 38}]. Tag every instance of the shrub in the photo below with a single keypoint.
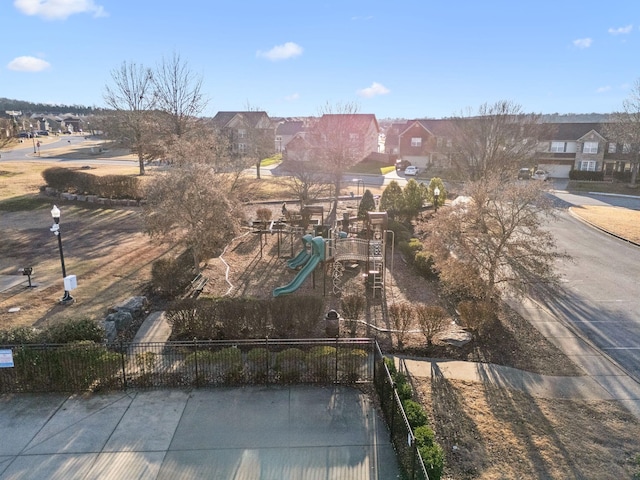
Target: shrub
[
  {"x": 401, "y": 233},
  {"x": 189, "y": 319},
  {"x": 290, "y": 364},
  {"x": 170, "y": 276},
  {"x": 74, "y": 331},
  {"x": 20, "y": 336},
  {"x": 424, "y": 263},
  {"x": 431, "y": 453},
  {"x": 403, "y": 387},
  {"x": 350, "y": 360},
  {"x": 263, "y": 215},
  {"x": 352, "y": 306},
  {"x": 258, "y": 363},
  {"x": 431, "y": 319},
  {"x": 415, "y": 414},
  {"x": 585, "y": 175},
  {"x": 321, "y": 362},
  {"x": 401, "y": 315},
  {"x": 477, "y": 316},
  {"x": 367, "y": 204}
]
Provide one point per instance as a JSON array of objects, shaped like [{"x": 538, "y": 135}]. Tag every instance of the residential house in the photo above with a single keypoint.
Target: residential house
[
  {"x": 580, "y": 146},
  {"x": 285, "y": 132},
  {"x": 361, "y": 130},
  {"x": 421, "y": 142},
  {"x": 248, "y": 131}
]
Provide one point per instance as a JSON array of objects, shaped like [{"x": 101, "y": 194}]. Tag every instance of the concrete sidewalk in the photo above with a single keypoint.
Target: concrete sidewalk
[
  {"x": 253, "y": 433},
  {"x": 602, "y": 380}
]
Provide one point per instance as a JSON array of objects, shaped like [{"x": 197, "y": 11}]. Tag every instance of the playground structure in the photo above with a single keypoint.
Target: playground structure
[{"x": 333, "y": 248}]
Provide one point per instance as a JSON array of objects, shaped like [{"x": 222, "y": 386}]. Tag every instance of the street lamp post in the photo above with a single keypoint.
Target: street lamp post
[
  {"x": 436, "y": 195},
  {"x": 33, "y": 137},
  {"x": 358, "y": 182},
  {"x": 55, "y": 228}
]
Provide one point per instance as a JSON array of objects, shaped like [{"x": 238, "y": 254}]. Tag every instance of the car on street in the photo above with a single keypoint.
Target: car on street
[
  {"x": 411, "y": 170},
  {"x": 524, "y": 174},
  {"x": 402, "y": 164},
  {"x": 540, "y": 175}
]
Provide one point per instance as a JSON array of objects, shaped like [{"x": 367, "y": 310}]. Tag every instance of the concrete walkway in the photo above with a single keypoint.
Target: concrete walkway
[
  {"x": 258, "y": 433},
  {"x": 602, "y": 380}
]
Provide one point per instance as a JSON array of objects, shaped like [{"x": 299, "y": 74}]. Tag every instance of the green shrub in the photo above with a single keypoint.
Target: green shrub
[
  {"x": 321, "y": 362},
  {"x": 403, "y": 387},
  {"x": 401, "y": 233},
  {"x": 74, "y": 331},
  {"x": 424, "y": 263},
  {"x": 20, "y": 336},
  {"x": 433, "y": 459},
  {"x": 415, "y": 413},
  {"x": 350, "y": 361},
  {"x": 290, "y": 364}
]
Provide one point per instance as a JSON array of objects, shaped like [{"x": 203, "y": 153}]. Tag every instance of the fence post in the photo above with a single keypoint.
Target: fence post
[
  {"x": 336, "y": 377},
  {"x": 195, "y": 359},
  {"x": 266, "y": 359},
  {"x": 393, "y": 410},
  {"x": 124, "y": 366}
]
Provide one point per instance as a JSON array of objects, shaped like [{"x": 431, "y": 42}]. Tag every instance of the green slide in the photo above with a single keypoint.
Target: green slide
[
  {"x": 304, "y": 254},
  {"x": 317, "y": 255}
]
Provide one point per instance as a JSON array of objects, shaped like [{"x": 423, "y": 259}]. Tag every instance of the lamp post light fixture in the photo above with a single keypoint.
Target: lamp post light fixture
[
  {"x": 55, "y": 228},
  {"x": 358, "y": 182},
  {"x": 436, "y": 196}
]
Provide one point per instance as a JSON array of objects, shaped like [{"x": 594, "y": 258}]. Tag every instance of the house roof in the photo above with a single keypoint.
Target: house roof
[
  {"x": 573, "y": 131},
  {"x": 290, "y": 128},
  {"x": 252, "y": 118},
  {"x": 360, "y": 121}
]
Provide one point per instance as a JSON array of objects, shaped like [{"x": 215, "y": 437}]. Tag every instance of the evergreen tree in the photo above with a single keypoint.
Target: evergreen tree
[{"x": 367, "y": 204}]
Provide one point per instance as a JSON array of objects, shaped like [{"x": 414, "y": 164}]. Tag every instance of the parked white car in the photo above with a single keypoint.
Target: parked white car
[
  {"x": 540, "y": 175},
  {"x": 411, "y": 170}
]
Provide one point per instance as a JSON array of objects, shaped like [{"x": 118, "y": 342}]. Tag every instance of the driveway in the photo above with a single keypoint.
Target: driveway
[{"x": 253, "y": 433}]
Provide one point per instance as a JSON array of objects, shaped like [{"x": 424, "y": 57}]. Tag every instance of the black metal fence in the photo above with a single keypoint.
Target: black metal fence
[
  {"x": 401, "y": 433},
  {"x": 92, "y": 367},
  {"x": 88, "y": 366}
]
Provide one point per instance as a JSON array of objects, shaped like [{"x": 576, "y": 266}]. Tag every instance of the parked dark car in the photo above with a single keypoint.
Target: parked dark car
[
  {"x": 401, "y": 165},
  {"x": 524, "y": 174}
]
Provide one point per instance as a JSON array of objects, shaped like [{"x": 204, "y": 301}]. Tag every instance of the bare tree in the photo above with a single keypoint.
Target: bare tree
[
  {"x": 260, "y": 137},
  {"x": 497, "y": 140},
  {"x": 133, "y": 100},
  {"x": 624, "y": 129},
  {"x": 193, "y": 207},
  {"x": 305, "y": 182},
  {"x": 337, "y": 140},
  {"x": 499, "y": 234},
  {"x": 178, "y": 93}
]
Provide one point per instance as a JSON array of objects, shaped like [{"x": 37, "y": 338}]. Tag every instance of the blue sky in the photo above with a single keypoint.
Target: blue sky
[{"x": 411, "y": 59}]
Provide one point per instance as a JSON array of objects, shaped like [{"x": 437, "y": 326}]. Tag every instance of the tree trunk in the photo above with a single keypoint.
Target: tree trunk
[
  {"x": 141, "y": 163},
  {"x": 258, "y": 169}
]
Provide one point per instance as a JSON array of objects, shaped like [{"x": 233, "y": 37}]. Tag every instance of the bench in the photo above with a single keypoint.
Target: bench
[{"x": 198, "y": 283}]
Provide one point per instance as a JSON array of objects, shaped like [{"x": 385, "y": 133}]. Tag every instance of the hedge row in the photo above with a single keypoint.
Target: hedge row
[
  {"x": 431, "y": 452},
  {"x": 238, "y": 318},
  {"x": 83, "y": 183}
]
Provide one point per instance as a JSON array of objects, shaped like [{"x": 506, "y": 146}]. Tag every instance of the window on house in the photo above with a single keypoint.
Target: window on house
[
  {"x": 557, "y": 147},
  {"x": 242, "y": 133},
  {"x": 242, "y": 147},
  {"x": 588, "y": 165},
  {"x": 612, "y": 147},
  {"x": 449, "y": 143},
  {"x": 626, "y": 148},
  {"x": 439, "y": 142},
  {"x": 590, "y": 147},
  {"x": 416, "y": 141}
]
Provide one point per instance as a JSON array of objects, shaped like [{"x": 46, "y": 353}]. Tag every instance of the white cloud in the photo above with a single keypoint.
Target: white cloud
[
  {"x": 293, "y": 97},
  {"x": 621, "y": 30},
  {"x": 583, "y": 42},
  {"x": 28, "y": 64},
  {"x": 374, "y": 90},
  {"x": 281, "y": 52},
  {"x": 59, "y": 9},
  {"x": 603, "y": 89}
]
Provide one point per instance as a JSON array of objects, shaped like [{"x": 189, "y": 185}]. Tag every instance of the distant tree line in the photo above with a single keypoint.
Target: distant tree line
[{"x": 7, "y": 104}]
